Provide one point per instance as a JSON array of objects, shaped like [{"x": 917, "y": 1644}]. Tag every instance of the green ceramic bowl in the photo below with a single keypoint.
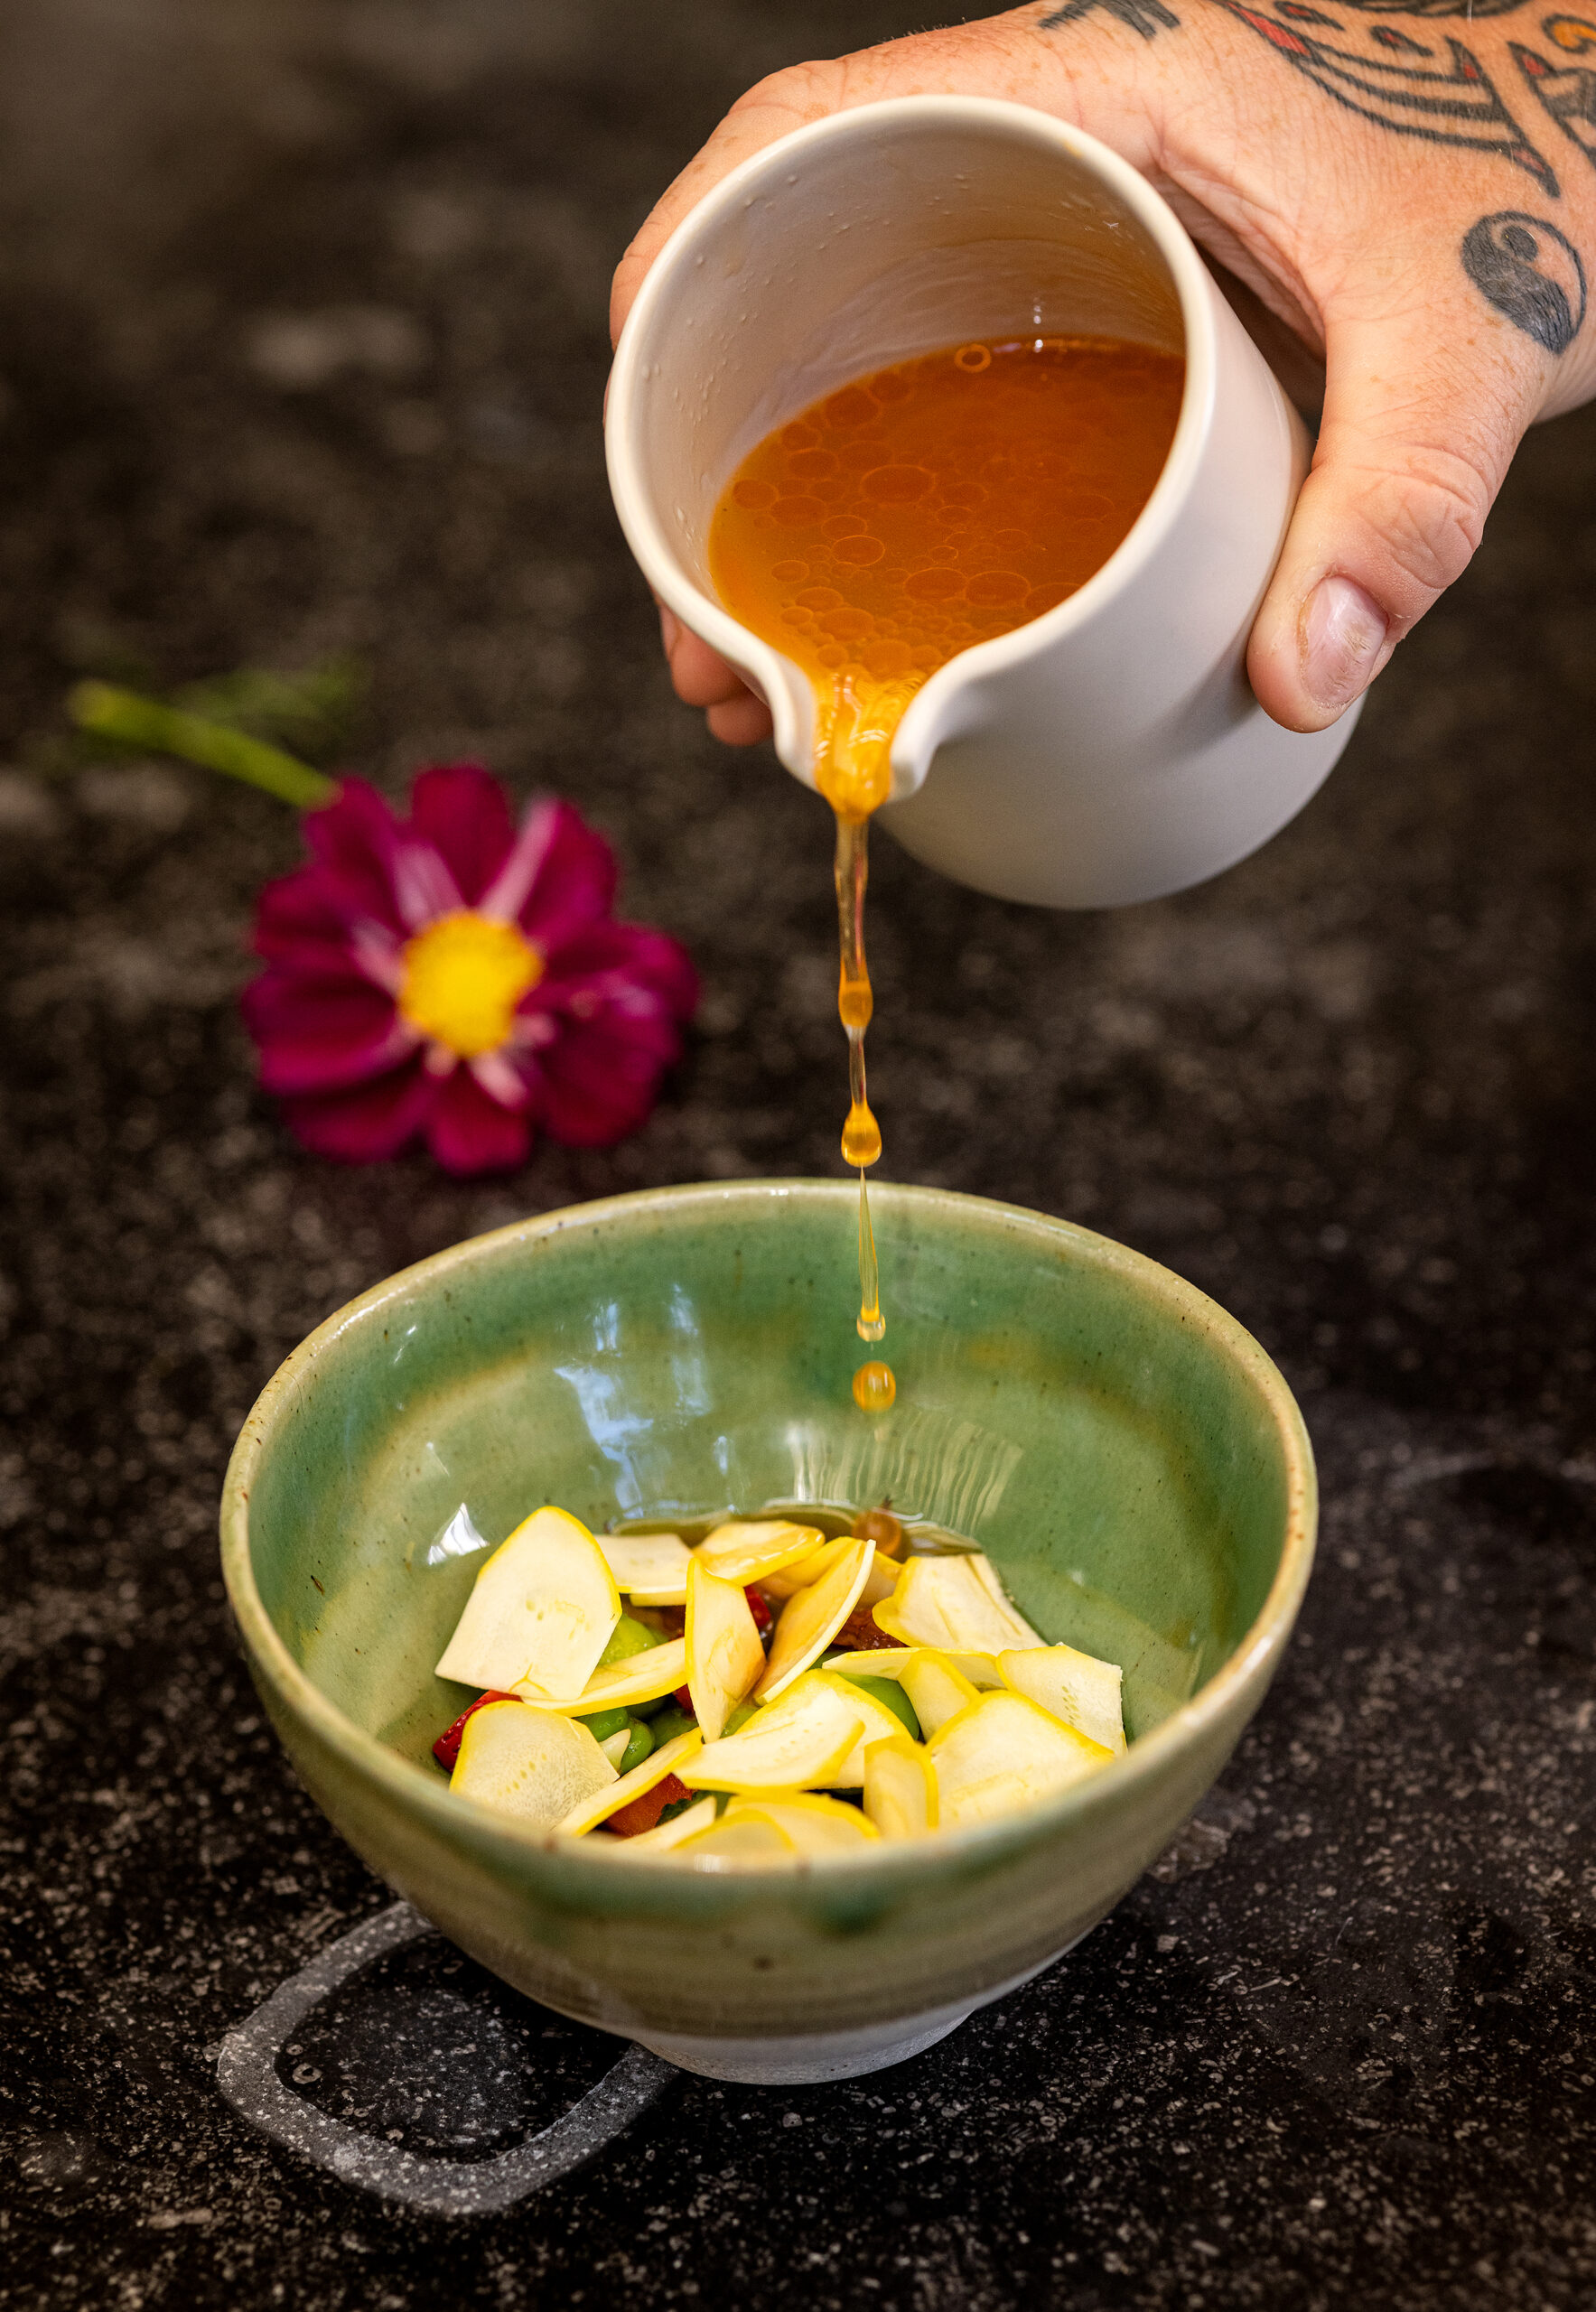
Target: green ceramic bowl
[{"x": 1130, "y": 1458}]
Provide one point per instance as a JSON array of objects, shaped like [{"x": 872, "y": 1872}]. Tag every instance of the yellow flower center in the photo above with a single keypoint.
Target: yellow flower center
[{"x": 464, "y": 976}]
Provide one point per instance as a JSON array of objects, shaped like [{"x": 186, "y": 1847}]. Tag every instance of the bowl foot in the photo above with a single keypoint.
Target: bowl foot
[{"x": 815, "y": 2057}]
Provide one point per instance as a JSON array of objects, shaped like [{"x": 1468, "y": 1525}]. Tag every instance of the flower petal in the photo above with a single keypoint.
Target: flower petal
[
  {"x": 295, "y": 909},
  {"x": 598, "y": 1085},
  {"x": 356, "y": 843},
  {"x": 608, "y": 951},
  {"x": 366, "y": 1125},
  {"x": 318, "y": 1033},
  {"x": 461, "y": 809},
  {"x": 468, "y": 1132},
  {"x": 296, "y": 924},
  {"x": 504, "y": 1082},
  {"x": 559, "y": 879}
]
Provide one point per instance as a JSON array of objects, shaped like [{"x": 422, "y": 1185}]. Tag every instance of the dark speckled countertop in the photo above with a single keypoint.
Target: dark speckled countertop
[{"x": 1339, "y": 2047}]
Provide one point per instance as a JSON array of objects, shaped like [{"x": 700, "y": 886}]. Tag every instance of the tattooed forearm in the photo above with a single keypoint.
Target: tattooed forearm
[{"x": 1531, "y": 273}]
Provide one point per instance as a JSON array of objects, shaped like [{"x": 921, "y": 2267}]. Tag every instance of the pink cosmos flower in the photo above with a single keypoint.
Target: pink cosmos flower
[{"x": 449, "y": 974}]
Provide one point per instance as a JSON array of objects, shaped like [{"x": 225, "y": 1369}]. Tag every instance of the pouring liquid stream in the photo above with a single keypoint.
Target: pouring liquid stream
[
  {"x": 927, "y": 508},
  {"x": 862, "y": 1139}
]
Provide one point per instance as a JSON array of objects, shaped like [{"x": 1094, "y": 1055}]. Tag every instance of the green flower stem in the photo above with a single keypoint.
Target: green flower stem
[{"x": 153, "y": 729}]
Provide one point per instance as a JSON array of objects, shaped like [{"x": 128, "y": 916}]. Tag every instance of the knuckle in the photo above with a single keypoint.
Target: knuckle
[
  {"x": 798, "y": 92},
  {"x": 1429, "y": 516}
]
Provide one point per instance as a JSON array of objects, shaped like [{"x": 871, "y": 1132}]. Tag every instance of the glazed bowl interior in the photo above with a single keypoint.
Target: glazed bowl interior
[{"x": 1125, "y": 1454}]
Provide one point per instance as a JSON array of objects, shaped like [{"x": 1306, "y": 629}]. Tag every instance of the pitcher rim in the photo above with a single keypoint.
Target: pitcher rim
[{"x": 707, "y": 616}]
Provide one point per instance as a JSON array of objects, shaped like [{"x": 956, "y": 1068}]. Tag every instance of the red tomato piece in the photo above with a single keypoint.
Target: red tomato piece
[
  {"x": 862, "y": 1632},
  {"x": 759, "y": 1605},
  {"x": 644, "y": 1813}
]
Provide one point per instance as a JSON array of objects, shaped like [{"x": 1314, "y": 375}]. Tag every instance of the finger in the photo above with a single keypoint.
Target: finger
[
  {"x": 701, "y": 677},
  {"x": 1422, "y": 412},
  {"x": 740, "y": 722}
]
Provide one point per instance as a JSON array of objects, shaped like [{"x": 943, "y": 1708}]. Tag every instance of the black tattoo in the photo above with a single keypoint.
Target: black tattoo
[
  {"x": 1568, "y": 92},
  {"x": 1459, "y": 106},
  {"x": 1457, "y": 103},
  {"x": 1531, "y": 273},
  {"x": 1148, "y": 17},
  {"x": 1474, "y": 10}
]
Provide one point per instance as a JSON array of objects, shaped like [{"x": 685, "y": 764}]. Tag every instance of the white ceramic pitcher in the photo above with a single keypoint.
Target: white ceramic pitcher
[{"x": 1112, "y": 750}]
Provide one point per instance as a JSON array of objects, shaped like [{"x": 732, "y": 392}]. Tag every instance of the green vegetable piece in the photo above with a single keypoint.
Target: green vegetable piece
[
  {"x": 639, "y": 1747},
  {"x": 605, "y": 1722},
  {"x": 740, "y": 1717},
  {"x": 889, "y": 1694},
  {"x": 667, "y": 1723},
  {"x": 628, "y": 1637}
]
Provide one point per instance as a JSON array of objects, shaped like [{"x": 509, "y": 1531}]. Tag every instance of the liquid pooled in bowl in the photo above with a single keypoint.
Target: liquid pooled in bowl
[
  {"x": 771, "y": 1690},
  {"x": 929, "y": 507}
]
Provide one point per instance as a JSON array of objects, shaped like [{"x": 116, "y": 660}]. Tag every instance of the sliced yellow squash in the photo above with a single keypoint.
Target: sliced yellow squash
[
  {"x": 899, "y": 1787},
  {"x": 1002, "y": 1753},
  {"x": 539, "y": 1614},
  {"x": 529, "y": 1763},
  {"x": 1003, "y": 1604},
  {"x": 796, "y": 1744},
  {"x": 650, "y": 1569},
  {"x": 1078, "y": 1687},
  {"x": 885, "y": 1572},
  {"x": 980, "y": 1669},
  {"x": 724, "y": 1657},
  {"x": 641, "y": 1779},
  {"x": 887, "y": 1661},
  {"x": 666, "y": 1837},
  {"x": 935, "y": 1688},
  {"x": 812, "y": 1617},
  {"x": 881, "y": 1725},
  {"x": 747, "y": 1549},
  {"x": 641, "y": 1677},
  {"x": 955, "y": 1603},
  {"x": 875, "y": 1662},
  {"x": 743, "y": 1845},
  {"x": 805, "y": 1571},
  {"x": 815, "y": 1825}
]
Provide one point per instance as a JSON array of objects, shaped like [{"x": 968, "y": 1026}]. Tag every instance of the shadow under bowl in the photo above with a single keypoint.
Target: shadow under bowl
[{"x": 1131, "y": 1461}]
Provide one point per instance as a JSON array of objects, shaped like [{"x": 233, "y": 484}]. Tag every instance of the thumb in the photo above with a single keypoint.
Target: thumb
[{"x": 1420, "y": 424}]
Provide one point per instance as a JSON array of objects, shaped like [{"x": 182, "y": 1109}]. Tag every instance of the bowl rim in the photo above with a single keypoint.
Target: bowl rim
[{"x": 976, "y": 1845}]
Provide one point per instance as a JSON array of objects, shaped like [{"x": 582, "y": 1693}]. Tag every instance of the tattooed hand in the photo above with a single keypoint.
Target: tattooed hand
[{"x": 1409, "y": 186}]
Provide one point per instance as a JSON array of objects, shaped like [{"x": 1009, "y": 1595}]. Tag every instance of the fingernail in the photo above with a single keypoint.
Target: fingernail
[
  {"x": 1343, "y": 634},
  {"x": 670, "y": 629}
]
